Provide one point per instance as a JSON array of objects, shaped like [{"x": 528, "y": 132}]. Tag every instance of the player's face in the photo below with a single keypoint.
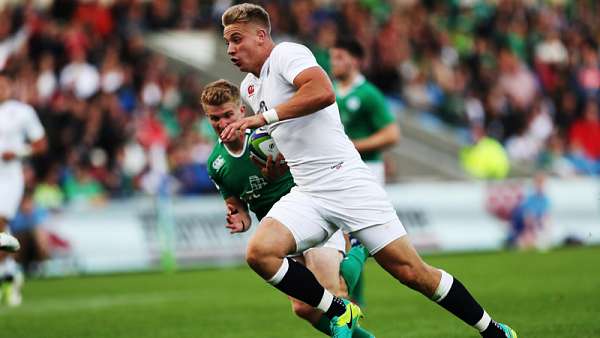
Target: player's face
[
  {"x": 244, "y": 40},
  {"x": 223, "y": 115},
  {"x": 342, "y": 63}
]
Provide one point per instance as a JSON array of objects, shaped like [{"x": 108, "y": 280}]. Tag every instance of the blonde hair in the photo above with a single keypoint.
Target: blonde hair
[
  {"x": 220, "y": 92},
  {"x": 247, "y": 12}
]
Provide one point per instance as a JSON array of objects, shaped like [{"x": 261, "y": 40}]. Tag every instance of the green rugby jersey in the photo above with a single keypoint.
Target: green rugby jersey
[
  {"x": 238, "y": 176},
  {"x": 363, "y": 112}
]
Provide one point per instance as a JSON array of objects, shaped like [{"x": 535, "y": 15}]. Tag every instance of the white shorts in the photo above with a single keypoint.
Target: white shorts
[
  {"x": 336, "y": 241},
  {"x": 378, "y": 170},
  {"x": 314, "y": 217},
  {"x": 11, "y": 192}
]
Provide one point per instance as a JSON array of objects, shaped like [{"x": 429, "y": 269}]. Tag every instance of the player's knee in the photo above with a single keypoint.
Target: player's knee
[
  {"x": 255, "y": 254},
  {"x": 302, "y": 310}
]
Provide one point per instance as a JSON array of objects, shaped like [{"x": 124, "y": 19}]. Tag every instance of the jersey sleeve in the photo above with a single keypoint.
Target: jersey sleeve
[
  {"x": 381, "y": 115},
  {"x": 292, "y": 58},
  {"x": 32, "y": 125}
]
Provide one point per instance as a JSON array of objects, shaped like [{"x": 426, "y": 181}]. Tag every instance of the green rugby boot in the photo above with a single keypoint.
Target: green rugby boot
[
  {"x": 343, "y": 326},
  {"x": 510, "y": 333}
]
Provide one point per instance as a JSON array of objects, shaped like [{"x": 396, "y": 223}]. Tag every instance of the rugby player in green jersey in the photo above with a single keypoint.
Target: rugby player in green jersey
[
  {"x": 243, "y": 185},
  {"x": 367, "y": 120}
]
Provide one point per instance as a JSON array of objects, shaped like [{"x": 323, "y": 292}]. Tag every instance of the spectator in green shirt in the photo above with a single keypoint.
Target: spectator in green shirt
[{"x": 486, "y": 158}]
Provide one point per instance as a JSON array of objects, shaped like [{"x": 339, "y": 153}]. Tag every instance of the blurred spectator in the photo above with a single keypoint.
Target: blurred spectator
[
  {"x": 554, "y": 159},
  {"x": 81, "y": 188},
  {"x": 530, "y": 219},
  {"x": 531, "y": 137},
  {"x": 485, "y": 159},
  {"x": 517, "y": 81},
  {"x": 191, "y": 176},
  {"x": 584, "y": 138},
  {"x": 47, "y": 193},
  {"x": 26, "y": 227},
  {"x": 79, "y": 76},
  {"x": 587, "y": 74},
  {"x": 47, "y": 82}
]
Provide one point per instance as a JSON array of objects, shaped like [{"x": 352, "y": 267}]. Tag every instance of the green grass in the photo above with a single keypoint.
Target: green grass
[{"x": 549, "y": 295}]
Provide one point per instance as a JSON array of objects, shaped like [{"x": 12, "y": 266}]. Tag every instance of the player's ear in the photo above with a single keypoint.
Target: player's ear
[
  {"x": 243, "y": 109},
  {"x": 261, "y": 33}
]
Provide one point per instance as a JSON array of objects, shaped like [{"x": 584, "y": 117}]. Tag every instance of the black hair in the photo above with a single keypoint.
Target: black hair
[{"x": 352, "y": 46}]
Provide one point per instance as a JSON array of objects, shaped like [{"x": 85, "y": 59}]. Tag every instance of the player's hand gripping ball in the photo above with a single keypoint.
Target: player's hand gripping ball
[{"x": 262, "y": 146}]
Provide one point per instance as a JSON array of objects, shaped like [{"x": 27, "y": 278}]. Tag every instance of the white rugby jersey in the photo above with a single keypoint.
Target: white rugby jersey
[
  {"x": 315, "y": 146},
  {"x": 18, "y": 124}
]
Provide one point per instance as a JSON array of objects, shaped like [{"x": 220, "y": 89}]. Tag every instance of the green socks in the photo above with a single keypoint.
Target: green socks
[{"x": 351, "y": 268}]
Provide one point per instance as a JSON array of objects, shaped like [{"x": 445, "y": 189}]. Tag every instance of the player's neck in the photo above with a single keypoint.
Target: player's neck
[
  {"x": 348, "y": 81},
  {"x": 266, "y": 53},
  {"x": 236, "y": 146}
]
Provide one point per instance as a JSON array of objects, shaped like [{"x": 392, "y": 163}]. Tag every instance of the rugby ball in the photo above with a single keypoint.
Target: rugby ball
[{"x": 262, "y": 145}]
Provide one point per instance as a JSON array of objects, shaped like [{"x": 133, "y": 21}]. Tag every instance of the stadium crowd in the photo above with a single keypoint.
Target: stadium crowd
[{"x": 524, "y": 73}]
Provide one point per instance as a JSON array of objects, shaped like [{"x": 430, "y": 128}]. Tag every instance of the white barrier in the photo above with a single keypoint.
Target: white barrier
[{"x": 439, "y": 217}]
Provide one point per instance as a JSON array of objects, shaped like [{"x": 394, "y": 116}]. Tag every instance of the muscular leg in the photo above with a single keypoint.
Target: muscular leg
[
  {"x": 266, "y": 256},
  {"x": 325, "y": 262},
  {"x": 401, "y": 260},
  {"x": 267, "y": 248},
  {"x": 266, "y": 253},
  {"x": 325, "y": 265}
]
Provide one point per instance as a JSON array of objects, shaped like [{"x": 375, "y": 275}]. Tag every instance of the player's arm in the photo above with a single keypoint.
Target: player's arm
[
  {"x": 36, "y": 147},
  {"x": 238, "y": 218},
  {"x": 314, "y": 93},
  {"x": 383, "y": 138},
  {"x": 34, "y": 131}
]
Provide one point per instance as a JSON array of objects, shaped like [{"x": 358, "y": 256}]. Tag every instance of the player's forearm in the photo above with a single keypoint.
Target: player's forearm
[
  {"x": 382, "y": 139},
  {"x": 39, "y": 147},
  {"x": 234, "y": 203}
]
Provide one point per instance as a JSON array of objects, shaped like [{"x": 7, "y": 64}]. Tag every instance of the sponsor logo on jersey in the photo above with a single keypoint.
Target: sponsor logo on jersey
[
  {"x": 250, "y": 90},
  {"x": 337, "y": 166},
  {"x": 218, "y": 163},
  {"x": 256, "y": 185},
  {"x": 353, "y": 103}
]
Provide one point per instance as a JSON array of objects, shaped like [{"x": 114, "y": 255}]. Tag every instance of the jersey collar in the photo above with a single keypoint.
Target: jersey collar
[
  {"x": 243, "y": 151},
  {"x": 358, "y": 80}
]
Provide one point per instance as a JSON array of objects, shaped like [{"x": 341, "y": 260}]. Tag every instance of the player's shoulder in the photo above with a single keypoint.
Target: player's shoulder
[
  {"x": 289, "y": 45},
  {"x": 370, "y": 87},
  {"x": 286, "y": 48},
  {"x": 17, "y": 106},
  {"x": 216, "y": 159},
  {"x": 371, "y": 91}
]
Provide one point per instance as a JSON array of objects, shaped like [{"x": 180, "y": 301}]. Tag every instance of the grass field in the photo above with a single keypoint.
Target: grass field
[{"x": 549, "y": 295}]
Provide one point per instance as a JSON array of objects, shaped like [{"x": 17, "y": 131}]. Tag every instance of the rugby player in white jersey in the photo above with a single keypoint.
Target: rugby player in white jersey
[
  {"x": 21, "y": 135},
  {"x": 293, "y": 96}
]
